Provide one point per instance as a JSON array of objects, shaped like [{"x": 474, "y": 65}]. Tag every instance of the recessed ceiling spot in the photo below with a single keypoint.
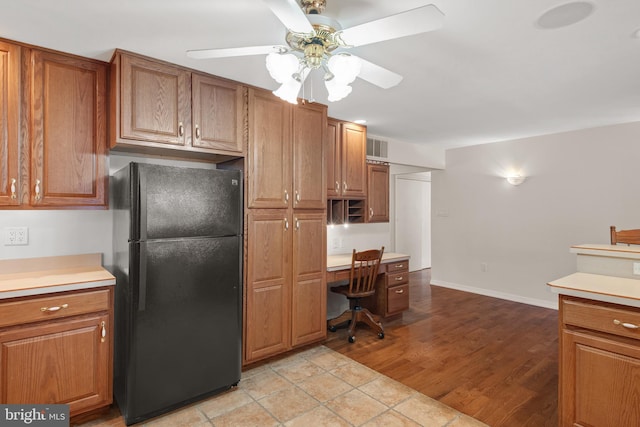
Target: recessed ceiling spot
[{"x": 565, "y": 15}]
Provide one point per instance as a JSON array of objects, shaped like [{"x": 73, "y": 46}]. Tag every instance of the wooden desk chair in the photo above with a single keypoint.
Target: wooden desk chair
[
  {"x": 362, "y": 280},
  {"x": 630, "y": 237}
]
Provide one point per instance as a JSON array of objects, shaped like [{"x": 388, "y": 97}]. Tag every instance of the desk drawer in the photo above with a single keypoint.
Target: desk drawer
[
  {"x": 603, "y": 317},
  {"x": 52, "y": 307},
  {"x": 398, "y": 266},
  {"x": 397, "y": 299},
  {"x": 395, "y": 279}
]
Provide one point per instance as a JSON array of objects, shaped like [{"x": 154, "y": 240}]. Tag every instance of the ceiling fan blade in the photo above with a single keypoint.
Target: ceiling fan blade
[
  {"x": 233, "y": 51},
  {"x": 378, "y": 75},
  {"x": 415, "y": 21},
  {"x": 290, "y": 14}
]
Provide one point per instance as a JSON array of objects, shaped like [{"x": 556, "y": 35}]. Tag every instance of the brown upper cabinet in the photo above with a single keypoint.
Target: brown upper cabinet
[
  {"x": 377, "y": 192},
  {"x": 58, "y": 103},
  {"x": 286, "y": 156},
  {"x": 346, "y": 160},
  {"x": 161, "y": 108}
]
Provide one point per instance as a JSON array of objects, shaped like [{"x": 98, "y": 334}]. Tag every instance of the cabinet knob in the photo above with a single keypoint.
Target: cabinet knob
[
  {"x": 297, "y": 224},
  {"x": 37, "y": 190},
  {"x": 370, "y": 212},
  {"x": 337, "y": 187},
  {"x": 286, "y": 197},
  {"x": 197, "y": 132},
  {"x": 180, "y": 129},
  {"x": 400, "y": 291},
  {"x": 625, "y": 325},
  {"x": 297, "y": 197},
  {"x": 344, "y": 186},
  {"x": 286, "y": 224},
  {"x": 13, "y": 188},
  {"x": 399, "y": 278}
]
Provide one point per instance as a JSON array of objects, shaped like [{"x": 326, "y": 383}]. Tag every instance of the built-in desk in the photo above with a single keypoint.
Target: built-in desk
[{"x": 392, "y": 286}]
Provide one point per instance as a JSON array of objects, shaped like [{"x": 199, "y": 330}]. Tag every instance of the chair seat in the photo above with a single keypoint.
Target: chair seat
[{"x": 344, "y": 290}]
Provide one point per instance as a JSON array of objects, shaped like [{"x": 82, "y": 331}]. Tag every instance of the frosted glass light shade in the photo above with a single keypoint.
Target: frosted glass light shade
[
  {"x": 281, "y": 66},
  {"x": 345, "y": 68},
  {"x": 288, "y": 91},
  {"x": 337, "y": 90}
]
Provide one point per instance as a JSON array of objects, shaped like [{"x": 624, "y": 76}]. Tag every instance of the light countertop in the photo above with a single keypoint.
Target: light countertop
[
  {"x": 614, "y": 251},
  {"x": 34, "y": 276},
  {"x": 343, "y": 261},
  {"x": 618, "y": 290}
]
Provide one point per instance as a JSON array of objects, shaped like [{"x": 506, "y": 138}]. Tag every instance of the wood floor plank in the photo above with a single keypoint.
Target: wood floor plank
[{"x": 492, "y": 359}]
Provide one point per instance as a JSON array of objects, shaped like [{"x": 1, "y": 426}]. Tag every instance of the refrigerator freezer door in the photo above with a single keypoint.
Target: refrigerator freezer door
[
  {"x": 186, "y": 323},
  {"x": 185, "y": 202}
]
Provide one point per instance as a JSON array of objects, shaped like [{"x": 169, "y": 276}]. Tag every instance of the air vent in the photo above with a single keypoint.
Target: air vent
[{"x": 377, "y": 148}]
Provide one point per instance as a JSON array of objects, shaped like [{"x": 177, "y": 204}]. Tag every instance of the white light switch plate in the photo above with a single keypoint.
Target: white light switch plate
[{"x": 636, "y": 268}]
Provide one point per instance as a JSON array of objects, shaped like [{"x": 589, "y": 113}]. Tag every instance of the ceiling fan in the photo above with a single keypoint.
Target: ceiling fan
[{"x": 315, "y": 42}]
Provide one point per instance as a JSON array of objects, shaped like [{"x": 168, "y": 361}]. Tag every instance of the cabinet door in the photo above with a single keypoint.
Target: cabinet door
[
  {"x": 155, "y": 102},
  {"x": 598, "y": 380},
  {"x": 269, "y": 157},
  {"x": 268, "y": 289},
  {"x": 9, "y": 109},
  {"x": 68, "y": 140},
  {"x": 309, "y": 130},
  {"x": 378, "y": 193},
  {"x": 354, "y": 155},
  {"x": 218, "y": 113},
  {"x": 60, "y": 362},
  {"x": 309, "y": 302},
  {"x": 332, "y": 156}
]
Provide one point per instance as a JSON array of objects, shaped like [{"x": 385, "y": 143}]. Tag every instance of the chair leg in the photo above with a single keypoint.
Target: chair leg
[
  {"x": 336, "y": 321},
  {"x": 367, "y": 317}
]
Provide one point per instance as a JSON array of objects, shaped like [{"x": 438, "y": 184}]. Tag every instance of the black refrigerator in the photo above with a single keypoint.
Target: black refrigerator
[{"x": 178, "y": 267}]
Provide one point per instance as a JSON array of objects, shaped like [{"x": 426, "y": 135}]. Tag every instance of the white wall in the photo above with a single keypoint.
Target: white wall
[
  {"x": 579, "y": 183},
  {"x": 71, "y": 232}
]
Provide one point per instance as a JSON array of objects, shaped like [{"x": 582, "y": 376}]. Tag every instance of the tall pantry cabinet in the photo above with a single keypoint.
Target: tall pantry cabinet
[{"x": 285, "y": 293}]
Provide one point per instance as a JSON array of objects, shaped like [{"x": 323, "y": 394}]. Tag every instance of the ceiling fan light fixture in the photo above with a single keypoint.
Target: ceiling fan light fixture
[
  {"x": 337, "y": 90},
  {"x": 281, "y": 66},
  {"x": 288, "y": 91},
  {"x": 344, "y": 67}
]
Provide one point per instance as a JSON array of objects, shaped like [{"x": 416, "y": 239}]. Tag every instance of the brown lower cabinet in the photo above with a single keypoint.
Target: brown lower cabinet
[
  {"x": 58, "y": 349},
  {"x": 285, "y": 295},
  {"x": 392, "y": 290},
  {"x": 599, "y": 381}
]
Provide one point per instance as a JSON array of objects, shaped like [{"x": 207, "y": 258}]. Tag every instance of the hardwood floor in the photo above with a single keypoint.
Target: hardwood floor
[{"x": 492, "y": 359}]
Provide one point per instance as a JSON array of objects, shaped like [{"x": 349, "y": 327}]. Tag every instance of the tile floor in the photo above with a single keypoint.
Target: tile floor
[{"x": 316, "y": 387}]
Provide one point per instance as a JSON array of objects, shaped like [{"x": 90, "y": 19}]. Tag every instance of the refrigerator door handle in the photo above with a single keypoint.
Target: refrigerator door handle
[{"x": 142, "y": 284}]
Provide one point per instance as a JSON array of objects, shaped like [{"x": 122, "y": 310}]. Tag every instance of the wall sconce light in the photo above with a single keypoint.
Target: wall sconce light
[{"x": 516, "y": 179}]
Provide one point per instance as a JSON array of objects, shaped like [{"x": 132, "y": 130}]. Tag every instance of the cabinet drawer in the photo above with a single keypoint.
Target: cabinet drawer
[
  {"x": 398, "y": 266},
  {"x": 53, "y": 307},
  {"x": 603, "y": 317},
  {"x": 395, "y": 279},
  {"x": 397, "y": 299}
]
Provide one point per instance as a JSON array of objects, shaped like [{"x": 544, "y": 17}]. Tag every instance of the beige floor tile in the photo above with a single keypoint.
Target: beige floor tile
[
  {"x": 223, "y": 403},
  {"x": 426, "y": 411},
  {"x": 387, "y": 391},
  {"x": 355, "y": 374},
  {"x": 466, "y": 421},
  {"x": 288, "y": 403},
  {"x": 325, "y": 386},
  {"x": 391, "y": 419},
  {"x": 187, "y": 417},
  {"x": 298, "y": 370},
  {"x": 328, "y": 359},
  {"x": 254, "y": 371},
  {"x": 250, "y": 415},
  {"x": 319, "y": 417},
  {"x": 356, "y": 407},
  {"x": 263, "y": 384}
]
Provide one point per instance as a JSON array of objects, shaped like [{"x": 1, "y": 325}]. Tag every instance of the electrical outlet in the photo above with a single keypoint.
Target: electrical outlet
[{"x": 14, "y": 236}]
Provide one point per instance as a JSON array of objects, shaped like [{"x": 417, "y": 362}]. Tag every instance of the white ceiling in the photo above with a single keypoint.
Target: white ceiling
[{"x": 489, "y": 74}]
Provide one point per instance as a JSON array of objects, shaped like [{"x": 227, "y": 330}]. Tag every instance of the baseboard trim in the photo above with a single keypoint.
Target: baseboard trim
[{"x": 496, "y": 294}]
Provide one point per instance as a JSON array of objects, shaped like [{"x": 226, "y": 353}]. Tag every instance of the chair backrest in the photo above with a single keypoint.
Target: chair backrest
[
  {"x": 630, "y": 237},
  {"x": 364, "y": 271}
]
